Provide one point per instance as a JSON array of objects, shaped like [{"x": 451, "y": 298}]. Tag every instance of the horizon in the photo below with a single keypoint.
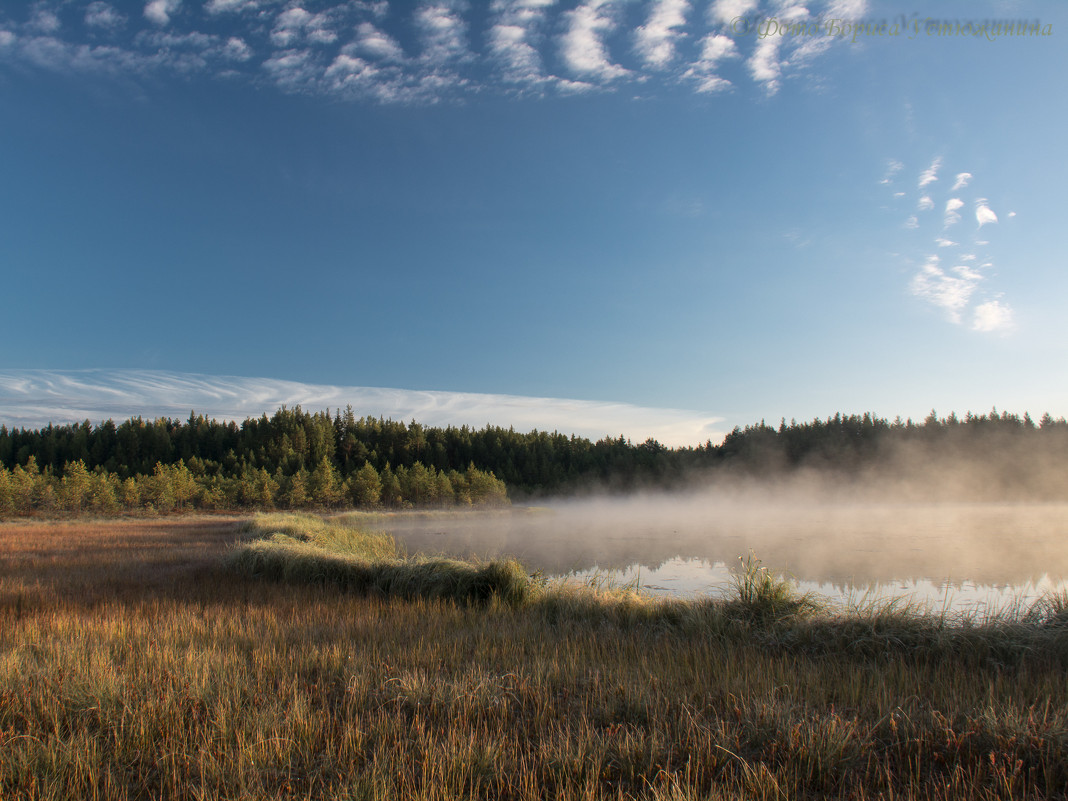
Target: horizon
[{"x": 33, "y": 400}]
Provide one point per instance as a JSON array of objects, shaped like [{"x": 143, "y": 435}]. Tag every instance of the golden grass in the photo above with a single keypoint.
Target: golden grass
[{"x": 136, "y": 666}]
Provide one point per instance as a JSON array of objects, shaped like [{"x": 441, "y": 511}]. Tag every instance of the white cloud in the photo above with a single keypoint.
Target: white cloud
[
  {"x": 159, "y": 11},
  {"x": 34, "y": 398},
  {"x": 852, "y": 10},
  {"x": 582, "y": 46},
  {"x": 296, "y": 25},
  {"x": 962, "y": 181},
  {"x": 951, "y": 217},
  {"x": 714, "y": 49},
  {"x": 102, "y": 15},
  {"x": 723, "y": 11},
  {"x": 655, "y": 40},
  {"x": 765, "y": 65},
  {"x": 7, "y": 38},
  {"x": 893, "y": 167},
  {"x": 44, "y": 20},
  {"x": 349, "y": 73},
  {"x": 230, "y": 6},
  {"x": 925, "y": 203},
  {"x": 293, "y": 69},
  {"x": 444, "y": 33},
  {"x": 373, "y": 42},
  {"x": 992, "y": 316},
  {"x": 949, "y": 292},
  {"x": 514, "y": 38},
  {"x": 912, "y": 222},
  {"x": 983, "y": 213},
  {"x": 237, "y": 50},
  {"x": 930, "y": 175},
  {"x": 945, "y": 243}
]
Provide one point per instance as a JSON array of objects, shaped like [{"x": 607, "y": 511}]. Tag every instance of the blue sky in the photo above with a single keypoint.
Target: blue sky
[{"x": 720, "y": 207}]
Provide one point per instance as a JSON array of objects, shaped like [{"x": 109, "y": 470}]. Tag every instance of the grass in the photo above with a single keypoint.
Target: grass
[
  {"x": 311, "y": 550},
  {"x": 135, "y": 664}
]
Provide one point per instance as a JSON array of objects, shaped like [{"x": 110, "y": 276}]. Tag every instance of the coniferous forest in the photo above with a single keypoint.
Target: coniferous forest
[{"x": 296, "y": 459}]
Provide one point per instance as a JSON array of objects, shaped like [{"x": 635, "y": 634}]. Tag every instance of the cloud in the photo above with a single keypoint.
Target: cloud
[
  {"x": 714, "y": 49},
  {"x": 582, "y": 46},
  {"x": 514, "y": 38},
  {"x": 930, "y": 175},
  {"x": 377, "y": 44},
  {"x": 893, "y": 167},
  {"x": 34, "y": 398},
  {"x": 444, "y": 33},
  {"x": 765, "y": 65},
  {"x": 102, "y": 15},
  {"x": 237, "y": 50},
  {"x": 983, "y": 213},
  {"x": 723, "y": 11},
  {"x": 945, "y": 243},
  {"x": 951, "y": 217},
  {"x": 230, "y": 6},
  {"x": 925, "y": 203},
  {"x": 655, "y": 40},
  {"x": 293, "y": 69},
  {"x": 992, "y": 316},
  {"x": 44, "y": 20},
  {"x": 159, "y": 11},
  {"x": 912, "y": 222},
  {"x": 962, "y": 181},
  {"x": 297, "y": 26},
  {"x": 949, "y": 291}
]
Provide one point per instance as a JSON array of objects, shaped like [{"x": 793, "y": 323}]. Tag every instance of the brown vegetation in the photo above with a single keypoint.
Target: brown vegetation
[{"x": 134, "y": 665}]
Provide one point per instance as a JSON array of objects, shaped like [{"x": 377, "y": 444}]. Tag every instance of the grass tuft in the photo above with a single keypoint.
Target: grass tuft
[
  {"x": 305, "y": 549},
  {"x": 764, "y": 598}
]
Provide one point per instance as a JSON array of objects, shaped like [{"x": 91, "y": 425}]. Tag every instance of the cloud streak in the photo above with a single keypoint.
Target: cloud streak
[{"x": 34, "y": 398}]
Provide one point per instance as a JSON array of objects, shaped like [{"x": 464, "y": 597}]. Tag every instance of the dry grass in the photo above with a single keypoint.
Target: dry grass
[{"x": 133, "y": 665}]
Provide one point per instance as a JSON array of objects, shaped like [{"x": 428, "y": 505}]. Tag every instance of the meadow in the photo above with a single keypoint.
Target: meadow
[{"x": 156, "y": 659}]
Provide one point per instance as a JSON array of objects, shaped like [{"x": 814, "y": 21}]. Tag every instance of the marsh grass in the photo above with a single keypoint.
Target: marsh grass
[
  {"x": 308, "y": 549},
  {"x": 140, "y": 667}
]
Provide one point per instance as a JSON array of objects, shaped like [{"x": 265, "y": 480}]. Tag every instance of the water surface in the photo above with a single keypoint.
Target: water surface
[{"x": 946, "y": 555}]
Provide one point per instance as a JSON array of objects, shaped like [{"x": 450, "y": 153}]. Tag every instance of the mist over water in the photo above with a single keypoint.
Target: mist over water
[{"x": 947, "y": 554}]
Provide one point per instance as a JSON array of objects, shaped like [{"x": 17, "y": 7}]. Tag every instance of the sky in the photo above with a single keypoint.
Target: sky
[{"x": 660, "y": 218}]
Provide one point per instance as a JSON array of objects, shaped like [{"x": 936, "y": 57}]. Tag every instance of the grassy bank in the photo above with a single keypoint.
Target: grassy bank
[{"x": 135, "y": 663}]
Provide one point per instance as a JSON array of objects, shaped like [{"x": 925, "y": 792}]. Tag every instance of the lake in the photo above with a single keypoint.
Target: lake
[{"x": 945, "y": 555}]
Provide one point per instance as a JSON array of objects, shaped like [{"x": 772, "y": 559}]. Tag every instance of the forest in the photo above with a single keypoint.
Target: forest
[{"x": 297, "y": 459}]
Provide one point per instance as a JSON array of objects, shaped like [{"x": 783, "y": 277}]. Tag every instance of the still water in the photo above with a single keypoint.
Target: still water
[{"x": 951, "y": 556}]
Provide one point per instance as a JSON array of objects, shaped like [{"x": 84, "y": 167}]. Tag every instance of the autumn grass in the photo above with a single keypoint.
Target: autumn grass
[
  {"x": 301, "y": 548},
  {"x": 140, "y": 666}
]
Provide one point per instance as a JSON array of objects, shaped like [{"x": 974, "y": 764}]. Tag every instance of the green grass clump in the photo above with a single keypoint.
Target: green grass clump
[
  {"x": 309, "y": 550},
  {"x": 763, "y": 597}
]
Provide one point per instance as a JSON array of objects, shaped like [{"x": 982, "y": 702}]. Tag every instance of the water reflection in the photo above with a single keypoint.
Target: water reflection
[{"x": 947, "y": 555}]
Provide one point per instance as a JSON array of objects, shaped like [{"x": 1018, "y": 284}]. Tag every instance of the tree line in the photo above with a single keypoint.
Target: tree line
[{"x": 295, "y": 459}]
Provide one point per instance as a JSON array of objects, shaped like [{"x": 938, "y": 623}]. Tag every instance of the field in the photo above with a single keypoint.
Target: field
[{"x": 137, "y": 662}]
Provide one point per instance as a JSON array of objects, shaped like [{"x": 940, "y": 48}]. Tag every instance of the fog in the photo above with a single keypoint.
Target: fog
[{"x": 841, "y": 540}]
